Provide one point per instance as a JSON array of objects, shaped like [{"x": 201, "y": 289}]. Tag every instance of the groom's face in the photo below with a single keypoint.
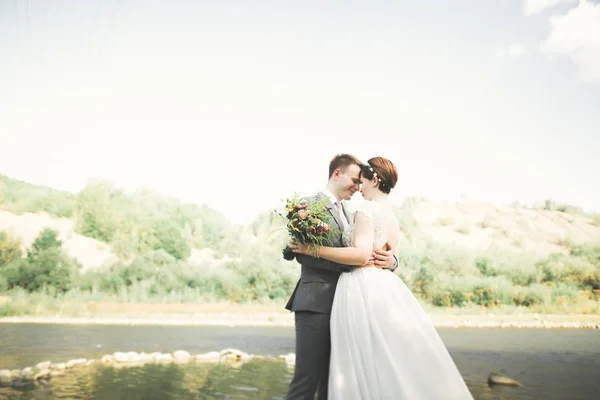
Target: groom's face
[{"x": 349, "y": 181}]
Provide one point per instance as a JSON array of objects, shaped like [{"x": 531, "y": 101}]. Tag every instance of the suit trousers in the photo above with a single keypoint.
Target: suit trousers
[{"x": 313, "y": 347}]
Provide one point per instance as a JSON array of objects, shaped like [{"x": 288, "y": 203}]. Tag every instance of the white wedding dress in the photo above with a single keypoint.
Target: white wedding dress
[{"x": 383, "y": 344}]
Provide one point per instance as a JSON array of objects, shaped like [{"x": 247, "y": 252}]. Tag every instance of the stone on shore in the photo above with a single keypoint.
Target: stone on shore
[
  {"x": 120, "y": 357},
  {"x": 145, "y": 357},
  {"x": 43, "y": 365},
  {"x": 498, "y": 379},
  {"x": 5, "y": 377},
  {"x": 211, "y": 356},
  {"x": 41, "y": 374},
  {"x": 76, "y": 362},
  {"x": 58, "y": 367},
  {"x": 233, "y": 354},
  {"x": 27, "y": 374},
  {"x": 16, "y": 374},
  {"x": 181, "y": 356},
  {"x": 107, "y": 359}
]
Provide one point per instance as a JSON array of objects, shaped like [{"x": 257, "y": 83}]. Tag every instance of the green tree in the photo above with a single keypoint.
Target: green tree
[
  {"x": 47, "y": 268},
  {"x": 11, "y": 272},
  {"x": 96, "y": 214},
  {"x": 10, "y": 248},
  {"x": 47, "y": 239},
  {"x": 170, "y": 238}
]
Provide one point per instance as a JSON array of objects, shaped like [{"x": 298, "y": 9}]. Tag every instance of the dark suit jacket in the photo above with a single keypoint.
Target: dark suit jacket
[{"x": 318, "y": 279}]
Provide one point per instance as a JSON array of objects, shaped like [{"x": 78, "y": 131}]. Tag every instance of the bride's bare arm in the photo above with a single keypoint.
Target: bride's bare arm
[{"x": 358, "y": 255}]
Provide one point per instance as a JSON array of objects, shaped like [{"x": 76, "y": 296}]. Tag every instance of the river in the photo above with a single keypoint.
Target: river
[{"x": 551, "y": 364}]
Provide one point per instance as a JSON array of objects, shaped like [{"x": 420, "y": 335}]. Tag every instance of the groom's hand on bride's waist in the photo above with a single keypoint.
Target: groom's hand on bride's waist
[{"x": 383, "y": 258}]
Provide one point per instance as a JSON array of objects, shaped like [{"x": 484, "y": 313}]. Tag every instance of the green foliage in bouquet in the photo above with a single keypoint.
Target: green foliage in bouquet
[{"x": 307, "y": 223}]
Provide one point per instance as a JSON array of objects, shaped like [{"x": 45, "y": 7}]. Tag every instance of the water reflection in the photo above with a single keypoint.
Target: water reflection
[{"x": 254, "y": 380}]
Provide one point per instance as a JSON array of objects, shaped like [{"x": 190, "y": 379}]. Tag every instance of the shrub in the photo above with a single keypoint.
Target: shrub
[
  {"x": 519, "y": 268},
  {"x": 537, "y": 294},
  {"x": 562, "y": 268},
  {"x": 47, "y": 239},
  {"x": 48, "y": 268},
  {"x": 10, "y": 249},
  {"x": 169, "y": 237}
]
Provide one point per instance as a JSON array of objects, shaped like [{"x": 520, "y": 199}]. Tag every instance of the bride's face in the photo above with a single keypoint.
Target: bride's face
[{"x": 367, "y": 188}]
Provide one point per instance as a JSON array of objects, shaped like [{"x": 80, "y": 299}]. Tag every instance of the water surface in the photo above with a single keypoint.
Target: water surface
[{"x": 552, "y": 364}]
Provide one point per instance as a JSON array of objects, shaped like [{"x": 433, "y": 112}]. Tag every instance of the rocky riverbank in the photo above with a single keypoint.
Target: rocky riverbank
[{"x": 43, "y": 371}]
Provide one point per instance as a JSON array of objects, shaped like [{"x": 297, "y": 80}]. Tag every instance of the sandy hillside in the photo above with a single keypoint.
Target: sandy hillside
[
  {"x": 91, "y": 253},
  {"x": 479, "y": 225}
]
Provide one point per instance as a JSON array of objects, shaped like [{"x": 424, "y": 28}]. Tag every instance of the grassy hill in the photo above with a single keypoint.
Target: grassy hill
[
  {"x": 127, "y": 224},
  {"x": 146, "y": 247},
  {"x": 21, "y": 197}
]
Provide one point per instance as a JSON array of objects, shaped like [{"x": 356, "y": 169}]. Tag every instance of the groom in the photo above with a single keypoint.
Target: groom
[{"x": 312, "y": 298}]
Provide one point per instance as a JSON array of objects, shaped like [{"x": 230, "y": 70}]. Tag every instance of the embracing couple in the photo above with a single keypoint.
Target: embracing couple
[{"x": 360, "y": 332}]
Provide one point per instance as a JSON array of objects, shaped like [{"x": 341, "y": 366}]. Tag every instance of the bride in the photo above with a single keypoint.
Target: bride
[{"x": 383, "y": 344}]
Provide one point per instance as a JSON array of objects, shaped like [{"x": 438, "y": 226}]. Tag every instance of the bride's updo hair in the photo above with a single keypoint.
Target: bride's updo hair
[{"x": 384, "y": 169}]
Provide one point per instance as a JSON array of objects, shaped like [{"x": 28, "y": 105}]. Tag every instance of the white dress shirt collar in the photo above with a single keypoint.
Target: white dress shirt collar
[{"x": 330, "y": 195}]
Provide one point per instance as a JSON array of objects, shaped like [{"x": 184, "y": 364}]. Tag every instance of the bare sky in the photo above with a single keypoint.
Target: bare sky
[{"x": 238, "y": 104}]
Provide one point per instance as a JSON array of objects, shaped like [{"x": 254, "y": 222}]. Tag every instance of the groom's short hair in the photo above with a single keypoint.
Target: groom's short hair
[{"x": 342, "y": 161}]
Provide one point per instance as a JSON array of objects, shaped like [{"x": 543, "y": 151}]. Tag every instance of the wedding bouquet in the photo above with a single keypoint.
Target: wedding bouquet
[{"x": 306, "y": 223}]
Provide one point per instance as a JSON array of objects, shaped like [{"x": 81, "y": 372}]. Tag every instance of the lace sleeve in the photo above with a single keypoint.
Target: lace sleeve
[
  {"x": 366, "y": 208},
  {"x": 370, "y": 210}
]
